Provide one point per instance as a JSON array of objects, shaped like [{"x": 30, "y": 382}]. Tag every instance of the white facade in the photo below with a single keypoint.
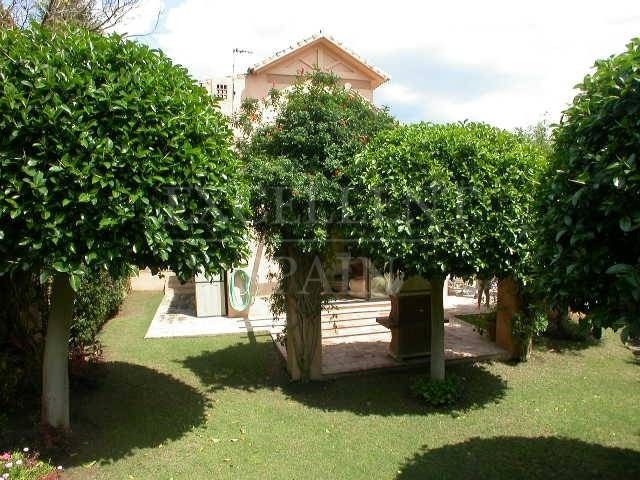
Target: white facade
[{"x": 222, "y": 89}]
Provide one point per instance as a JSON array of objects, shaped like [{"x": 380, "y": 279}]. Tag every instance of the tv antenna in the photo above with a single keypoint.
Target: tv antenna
[{"x": 236, "y": 51}]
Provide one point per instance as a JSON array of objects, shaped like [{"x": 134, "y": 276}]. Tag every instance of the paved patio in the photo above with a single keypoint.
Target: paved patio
[
  {"x": 352, "y": 340},
  {"x": 176, "y": 317}
]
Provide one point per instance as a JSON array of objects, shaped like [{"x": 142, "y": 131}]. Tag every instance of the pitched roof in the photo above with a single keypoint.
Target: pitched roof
[{"x": 319, "y": 37}]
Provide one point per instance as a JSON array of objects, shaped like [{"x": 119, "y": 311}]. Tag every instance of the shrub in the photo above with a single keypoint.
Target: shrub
[
  {"x": 528, "y": 324},
  {"x": 575, "y": 329},
  {"x": 438, "y": 393},
  {"x": 99, "y": 298},
  {"x": 23, "y": 306},
  {"x": 297, "y": 164},
  {"x": 22, "y": 326},
  {"x": 455, "y": 198},
  {"x": 525, "y": 325}
]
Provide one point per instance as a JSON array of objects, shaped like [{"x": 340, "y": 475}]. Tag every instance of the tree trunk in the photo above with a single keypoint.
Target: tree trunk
[
  {"x": 55, "y": 367},
  {"x": 304, "y": 309},
  {"x": 437, "y": 328}
]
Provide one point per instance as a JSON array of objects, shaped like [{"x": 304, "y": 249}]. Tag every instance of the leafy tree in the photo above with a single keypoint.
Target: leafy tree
[
  {"x": 94, "y": 15},
  {"x": 110, "y": 156},
  {"x": 6, "y": 17},
  {"x": 453, "y": 199},
  {"x": 297, "y": 164},
  {"x": 540, "y": 135},
  {"x": 590, "y": 248},
  {"x": 19, "y": 336}
]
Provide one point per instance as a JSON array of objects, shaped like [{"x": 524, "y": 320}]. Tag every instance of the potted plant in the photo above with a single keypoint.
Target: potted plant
[{"x": 525, "y": 325}]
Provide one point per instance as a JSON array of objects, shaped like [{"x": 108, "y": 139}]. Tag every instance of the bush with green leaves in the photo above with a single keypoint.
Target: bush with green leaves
[
  {"x": 300, "y": 160},
  {"x": 110, "y": 156},
  {"x": 22, "y": 327},
  {"x": 98, "y": 299},
  {"x": 24, "y": 306},
  {"x": 590, "y": 235},
  {"x": 528, "y": 324},
  {"x": 525, "y": 326},
  {"x": 438, "y": 393}
]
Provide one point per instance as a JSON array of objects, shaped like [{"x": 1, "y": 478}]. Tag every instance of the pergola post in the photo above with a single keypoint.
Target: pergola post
[{"x": 437, "y": 328}]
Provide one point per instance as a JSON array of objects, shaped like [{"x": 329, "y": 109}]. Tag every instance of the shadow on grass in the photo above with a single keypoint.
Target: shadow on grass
[
  {"x": 559, "y": 345},
  {"x": 523, "y": 458},
  {"x": 257, "y": 366},
  {"x": 134, "y": 407}
]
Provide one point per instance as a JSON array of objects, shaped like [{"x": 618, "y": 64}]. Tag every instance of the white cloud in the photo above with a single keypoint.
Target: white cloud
[
  {"x": 547, "y": 44},
  {"x": 521, "y": 105},
  {"x": 142, "y": 19},
  {"x": 397, "y": 93}
]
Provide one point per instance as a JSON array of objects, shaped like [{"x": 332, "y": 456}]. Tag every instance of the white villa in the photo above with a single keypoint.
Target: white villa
[{"x": 280, "y": 70}]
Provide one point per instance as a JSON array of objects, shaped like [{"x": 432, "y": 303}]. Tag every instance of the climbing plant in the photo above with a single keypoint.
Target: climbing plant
[{"x": 297, "y": 146}]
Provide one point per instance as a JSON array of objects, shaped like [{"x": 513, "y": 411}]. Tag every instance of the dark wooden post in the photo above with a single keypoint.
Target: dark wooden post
[{"x": 508, "y": 305}]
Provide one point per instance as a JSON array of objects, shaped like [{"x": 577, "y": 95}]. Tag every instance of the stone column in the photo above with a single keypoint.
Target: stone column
[{"x": 508, "y": 305}]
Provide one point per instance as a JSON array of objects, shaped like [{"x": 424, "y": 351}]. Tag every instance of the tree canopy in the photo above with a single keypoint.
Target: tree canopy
[
  {"x": 111, "y": 156},
  {"x": 590, "y": 248},
  {"x": 94, "y": 15},
  {"x": 446, "y": 199},
  {"x": 298, "y": 162}
]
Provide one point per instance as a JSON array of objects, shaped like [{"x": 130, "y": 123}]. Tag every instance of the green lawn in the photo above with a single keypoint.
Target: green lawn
[{"x": 221, "y": 407}]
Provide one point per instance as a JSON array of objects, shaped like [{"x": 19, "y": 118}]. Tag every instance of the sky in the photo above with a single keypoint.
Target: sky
[{"x": 508, "y": 63}]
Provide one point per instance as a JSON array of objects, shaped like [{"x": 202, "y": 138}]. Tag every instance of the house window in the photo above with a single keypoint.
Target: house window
[{"x": 221, "y": 91}]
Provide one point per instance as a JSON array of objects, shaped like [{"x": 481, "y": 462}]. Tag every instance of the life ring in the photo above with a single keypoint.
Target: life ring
[{"x": 240, "y": 295}]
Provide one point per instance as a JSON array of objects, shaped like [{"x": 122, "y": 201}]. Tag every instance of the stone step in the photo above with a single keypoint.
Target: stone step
[
  {"x": 260, "y": 323},
  {"x": 353, "y": 330},
  {"x": 340, "y": 316},
  {"x": 368, "y": 336},
  {"x": 358, "y": 304},
  {"x": 351, "y": 323}
]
